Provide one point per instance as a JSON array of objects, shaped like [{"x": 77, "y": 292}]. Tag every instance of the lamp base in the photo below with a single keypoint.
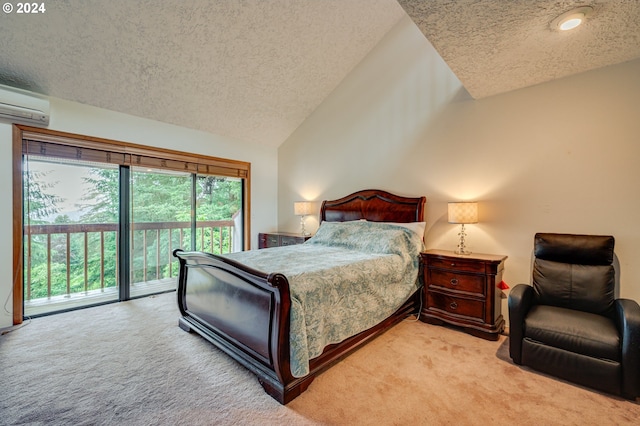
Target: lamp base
[
  {"x": 462, "y": 253},
  {"x": 462, "y": 248},
  {"x": 302, "y": 230}
]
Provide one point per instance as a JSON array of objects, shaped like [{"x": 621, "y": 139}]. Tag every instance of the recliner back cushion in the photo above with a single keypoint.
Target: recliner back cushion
[
  {"x": 574, "y": 248},
  {"x": 588, "y": 288}
]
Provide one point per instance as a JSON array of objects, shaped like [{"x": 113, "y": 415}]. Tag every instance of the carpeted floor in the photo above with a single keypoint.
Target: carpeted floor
[{"x": 129, "y": 363}]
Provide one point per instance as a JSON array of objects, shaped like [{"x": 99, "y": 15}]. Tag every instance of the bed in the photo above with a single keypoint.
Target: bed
[{"x": 247, "y": 313}]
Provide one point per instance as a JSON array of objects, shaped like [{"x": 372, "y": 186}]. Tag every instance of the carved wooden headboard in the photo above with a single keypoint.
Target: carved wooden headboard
[{"x": 375, "y": 206}]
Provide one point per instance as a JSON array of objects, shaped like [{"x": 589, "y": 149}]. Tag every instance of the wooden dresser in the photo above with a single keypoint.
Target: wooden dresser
[
  {"x": 278, "y": 239},
  {"x": 462, "y": 291}
]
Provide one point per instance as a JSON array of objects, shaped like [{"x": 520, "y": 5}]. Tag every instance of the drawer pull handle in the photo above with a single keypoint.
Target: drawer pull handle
[
  {"x": 453, "y": 264},
  {"x": 454, "y": 281},
  {"x": 453, "y": 305}
]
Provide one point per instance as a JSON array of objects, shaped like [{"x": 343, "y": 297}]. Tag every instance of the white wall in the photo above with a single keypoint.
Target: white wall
[
  {"x": 557, "y": 157},
  {"x": 82, "y": 119}
]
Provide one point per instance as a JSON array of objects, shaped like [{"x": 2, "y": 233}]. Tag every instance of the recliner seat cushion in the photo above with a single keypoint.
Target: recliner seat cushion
[{"x": 574, "y": 331}]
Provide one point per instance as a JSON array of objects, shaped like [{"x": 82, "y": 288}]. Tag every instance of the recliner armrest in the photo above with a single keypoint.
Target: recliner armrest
[
  {"x": 520, "y": 300},
  {"x": 628, "y": 322}
]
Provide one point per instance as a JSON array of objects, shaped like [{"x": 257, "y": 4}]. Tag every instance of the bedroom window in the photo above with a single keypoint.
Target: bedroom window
[{"x": 76, "y": 199}]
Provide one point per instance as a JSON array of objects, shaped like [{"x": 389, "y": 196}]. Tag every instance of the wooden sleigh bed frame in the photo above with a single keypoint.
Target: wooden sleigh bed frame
[{"x": 245, "y": 312}]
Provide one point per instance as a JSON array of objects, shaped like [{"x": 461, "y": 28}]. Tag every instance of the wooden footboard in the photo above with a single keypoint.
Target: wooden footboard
[
  {"x": 245, "y": 313},
  {"x": 242, "y": 311}
]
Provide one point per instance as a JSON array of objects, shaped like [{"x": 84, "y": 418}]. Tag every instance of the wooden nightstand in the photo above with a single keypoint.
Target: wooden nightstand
[
  {"x": 461, "y": 290},
  {"x": 279, "y": 239}
]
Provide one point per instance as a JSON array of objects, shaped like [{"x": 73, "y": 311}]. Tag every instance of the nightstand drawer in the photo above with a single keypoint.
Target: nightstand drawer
[
  {"x": 453, "y": 305},
  {"x": 271, "y": 241},
  {"x": 457, "y": 265},
  {"x": 289, "y": 241},
  {"x": 475, "y": 284}
]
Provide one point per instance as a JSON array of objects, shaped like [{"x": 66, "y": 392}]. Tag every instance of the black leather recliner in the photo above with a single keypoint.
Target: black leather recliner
[{"x": 569, "y": 324}]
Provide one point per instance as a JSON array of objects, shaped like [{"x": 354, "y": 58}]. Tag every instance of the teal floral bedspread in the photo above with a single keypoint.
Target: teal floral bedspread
[{"x": 344, "y": 280}]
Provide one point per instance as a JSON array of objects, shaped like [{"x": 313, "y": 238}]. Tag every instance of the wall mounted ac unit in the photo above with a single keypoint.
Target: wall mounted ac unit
[{"x": 21, "y": 106}]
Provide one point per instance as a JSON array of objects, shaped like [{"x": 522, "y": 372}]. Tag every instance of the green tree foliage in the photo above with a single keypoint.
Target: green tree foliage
[
  {"x": 102, "y": 196},
  {"x": 218, "y": 198}
]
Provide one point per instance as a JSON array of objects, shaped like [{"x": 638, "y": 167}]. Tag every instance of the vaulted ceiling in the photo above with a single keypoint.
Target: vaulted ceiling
[{"x": 254, "y": 70}]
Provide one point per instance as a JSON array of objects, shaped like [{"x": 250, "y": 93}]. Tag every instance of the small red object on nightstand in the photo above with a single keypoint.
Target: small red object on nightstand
[{"x": 502, "y": 285}]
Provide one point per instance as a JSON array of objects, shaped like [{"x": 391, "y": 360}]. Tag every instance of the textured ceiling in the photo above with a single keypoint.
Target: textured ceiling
[
  {"x": 495, "y": 46},
  {"x": 254, "y": 70}
]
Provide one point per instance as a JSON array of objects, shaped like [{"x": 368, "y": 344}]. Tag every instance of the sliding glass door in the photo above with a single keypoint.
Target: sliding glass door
[
  {"x": 99, "y": 220},
  {"x": 73, "y": 239}
]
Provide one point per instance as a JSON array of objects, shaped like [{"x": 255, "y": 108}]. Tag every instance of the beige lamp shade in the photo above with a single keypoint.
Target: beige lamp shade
[
  {"x": 303, "y": 208},
  {"x": 463, "y": 212}
]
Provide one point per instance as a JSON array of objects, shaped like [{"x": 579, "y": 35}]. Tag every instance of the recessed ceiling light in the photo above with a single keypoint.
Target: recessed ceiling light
[{"x": 571, "y": 19}]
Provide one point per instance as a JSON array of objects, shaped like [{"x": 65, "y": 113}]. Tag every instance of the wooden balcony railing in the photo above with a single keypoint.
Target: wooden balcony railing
[{"x": 152, "y": 245}]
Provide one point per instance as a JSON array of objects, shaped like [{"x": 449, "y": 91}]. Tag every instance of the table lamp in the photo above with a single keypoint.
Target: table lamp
[
  {"x": 302, "y": 209},
  {"x": 463, "y": 213}
]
